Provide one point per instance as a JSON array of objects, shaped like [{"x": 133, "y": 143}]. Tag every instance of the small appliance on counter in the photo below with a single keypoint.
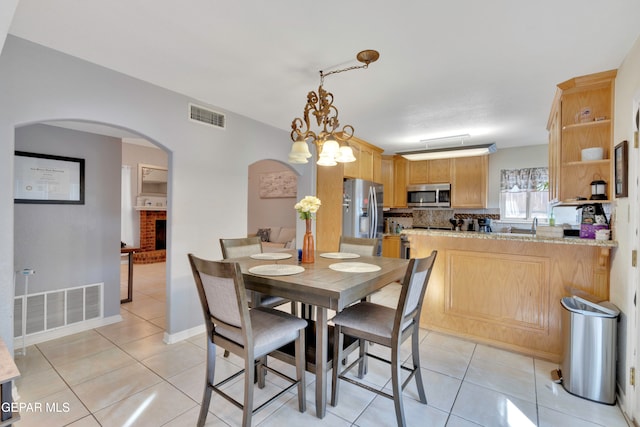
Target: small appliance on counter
[
  {"x": 593, "y": 219},
  {"x": 484, "y": 225}
]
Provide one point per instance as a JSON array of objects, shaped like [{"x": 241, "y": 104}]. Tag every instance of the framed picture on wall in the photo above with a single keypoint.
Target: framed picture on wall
[
  {"x": 621, "y": 165},
  {"x": 44, "y": 178},
  {"x": 278, "y": 185}
]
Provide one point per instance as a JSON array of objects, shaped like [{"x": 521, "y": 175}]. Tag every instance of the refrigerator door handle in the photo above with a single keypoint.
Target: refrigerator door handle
[{"x": 373, "y": 208}]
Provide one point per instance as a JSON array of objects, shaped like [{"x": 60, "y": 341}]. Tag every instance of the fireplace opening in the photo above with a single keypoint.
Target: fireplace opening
[{"x": 161, "y": 234}]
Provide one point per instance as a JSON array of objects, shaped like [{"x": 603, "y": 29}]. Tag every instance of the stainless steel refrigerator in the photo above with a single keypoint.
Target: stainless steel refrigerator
[{"x": 362, "y": 209}]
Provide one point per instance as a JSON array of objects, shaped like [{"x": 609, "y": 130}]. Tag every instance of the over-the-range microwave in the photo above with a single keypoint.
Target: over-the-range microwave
[{"x": 429, "y": 196}]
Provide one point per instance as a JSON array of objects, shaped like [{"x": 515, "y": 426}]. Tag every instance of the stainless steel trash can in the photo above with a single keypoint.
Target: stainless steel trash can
[{"x": 589, "y": 331}]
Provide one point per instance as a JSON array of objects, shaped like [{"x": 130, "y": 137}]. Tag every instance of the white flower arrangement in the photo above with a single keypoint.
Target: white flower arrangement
[{"x": 307, "y": 207}]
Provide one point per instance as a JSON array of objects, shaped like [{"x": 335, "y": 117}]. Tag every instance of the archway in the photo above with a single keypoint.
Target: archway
[{"x": 83, "y": 235}]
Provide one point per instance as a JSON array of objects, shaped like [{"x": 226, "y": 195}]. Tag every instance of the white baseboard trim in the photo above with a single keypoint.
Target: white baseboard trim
[
  {"x": 183, "y": 335},
  {"x": 64, "y": 331}
]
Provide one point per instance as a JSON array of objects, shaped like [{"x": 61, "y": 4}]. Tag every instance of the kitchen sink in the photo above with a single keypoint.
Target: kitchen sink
[{"x": 515, "y": 230}]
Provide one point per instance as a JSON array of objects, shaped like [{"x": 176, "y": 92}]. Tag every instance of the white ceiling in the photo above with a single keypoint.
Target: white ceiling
[{"x": 487, "y": 68}]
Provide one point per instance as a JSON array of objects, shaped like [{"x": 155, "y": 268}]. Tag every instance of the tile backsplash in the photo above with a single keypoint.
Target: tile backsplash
[{"x": 409, "y": 218}]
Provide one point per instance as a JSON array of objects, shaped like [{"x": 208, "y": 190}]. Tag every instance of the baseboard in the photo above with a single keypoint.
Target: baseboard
[
  {"x": 64, "y": 331},
  {"x": 183, "y": 335}
]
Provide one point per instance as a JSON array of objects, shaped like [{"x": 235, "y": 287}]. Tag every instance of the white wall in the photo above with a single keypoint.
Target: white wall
[
  {"x": 276, "y": 212},
  {"x": 624, "y": 277},
  {"x": 73, "y": 245},
  {"x": 207, "y": 166}
]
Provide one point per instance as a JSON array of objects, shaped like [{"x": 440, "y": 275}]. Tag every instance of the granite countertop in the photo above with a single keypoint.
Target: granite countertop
[{"x": 512, "y": 236}]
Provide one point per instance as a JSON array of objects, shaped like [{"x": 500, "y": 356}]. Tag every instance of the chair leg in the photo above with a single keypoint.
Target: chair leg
[
  {"x": 249, "y": 377},
  {"x": 338, "y": 340},
  {"x": 260, "y": 371},
  {"x": 209, "y": 376},
  {"x": 396, "y": 382},
  {"x": 300, "y": 371},
  {"x": 415, "y": 353},
  {"x": 226, "y": 353},
  {"x": 363, "y": 366}
]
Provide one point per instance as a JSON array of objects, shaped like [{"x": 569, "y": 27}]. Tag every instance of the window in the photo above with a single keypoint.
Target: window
[{"x": 524, "y": 193}]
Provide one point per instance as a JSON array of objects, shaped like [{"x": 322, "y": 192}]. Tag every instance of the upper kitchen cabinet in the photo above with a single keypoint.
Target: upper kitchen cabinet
[
  {"x": 581, "y": 117},
  {"x": 429, "y": 171},
  {"x": 400, "y": 173},
  {"x": 387, "y": 181},
  {"x": 368, "y": 164},
  {"x": 417, "y": 172},
  {"x": 469, "y": 182},
  {"x": 439, "y": 171}
]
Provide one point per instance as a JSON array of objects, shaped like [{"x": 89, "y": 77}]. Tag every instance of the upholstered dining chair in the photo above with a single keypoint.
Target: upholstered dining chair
[
  {"x": 250, "y": 334},
  {"x": 247, "y": 246},
  {"x": 359, "y": 245},
  {"x": 369, "y": 322}
]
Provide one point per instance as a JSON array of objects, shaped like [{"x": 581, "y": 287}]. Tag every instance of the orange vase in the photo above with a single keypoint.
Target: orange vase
[{"x": 308, "y": 247}]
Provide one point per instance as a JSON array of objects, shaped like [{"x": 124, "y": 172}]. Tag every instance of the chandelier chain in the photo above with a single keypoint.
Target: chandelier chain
[{"x": 355, "y": 67}]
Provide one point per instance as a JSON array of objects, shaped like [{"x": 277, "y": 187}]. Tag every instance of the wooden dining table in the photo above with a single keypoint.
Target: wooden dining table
[{"x": 325, "y": 289}]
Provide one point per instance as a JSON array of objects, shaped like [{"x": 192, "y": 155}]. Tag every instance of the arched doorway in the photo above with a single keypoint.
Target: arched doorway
[
  {"x": 85, "y": 237},
  {"x": 271, "y": 194}
]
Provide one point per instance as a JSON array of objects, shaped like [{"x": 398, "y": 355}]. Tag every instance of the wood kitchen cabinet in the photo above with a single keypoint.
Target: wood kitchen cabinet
[
  {"x": 417, "y": 172},
  {"x": 387, "y": 181},
  {"x": 368, "y": 164},
  {"x": 469, "y": 182},
  {"x": 391, "y": 246},
  {"x": 581, "y": 117},
  {"x": 439, "y": 171},
  {"x": 399, "y": 182},
  {"x": 429, "y": 172},
  {"x": 505, "y": 290}
]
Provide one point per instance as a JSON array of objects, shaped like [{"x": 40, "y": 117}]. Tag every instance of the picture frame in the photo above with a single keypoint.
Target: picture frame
[
  {"x": 48, "y": 179},
  {"x": 621, "y": 167},
  {"x": 276, "y": 185}
]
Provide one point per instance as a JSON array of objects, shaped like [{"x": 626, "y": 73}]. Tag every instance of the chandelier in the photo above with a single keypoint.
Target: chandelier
[{"x": 330, "y": 143}]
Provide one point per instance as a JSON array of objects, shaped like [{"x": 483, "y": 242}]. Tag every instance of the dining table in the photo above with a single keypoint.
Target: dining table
[{"x": 332, "y": 282}]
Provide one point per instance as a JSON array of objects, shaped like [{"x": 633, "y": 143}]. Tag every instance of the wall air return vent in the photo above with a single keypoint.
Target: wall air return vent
[{"x": 206, "y": 116}]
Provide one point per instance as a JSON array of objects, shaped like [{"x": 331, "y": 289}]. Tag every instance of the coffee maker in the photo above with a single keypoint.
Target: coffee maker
[{"x": 484, "y": 225}]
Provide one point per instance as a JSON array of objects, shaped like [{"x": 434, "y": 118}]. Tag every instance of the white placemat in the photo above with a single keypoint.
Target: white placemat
[
  {"x": 276, "y": 269},
  {"x": 355, "y": 267},
  {"x": 271, "y": 255},
  {"x": 339, "y": 255}
]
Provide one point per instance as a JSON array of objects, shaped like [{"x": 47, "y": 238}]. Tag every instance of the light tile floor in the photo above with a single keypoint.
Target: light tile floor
[{"x": 124, "y": 375}]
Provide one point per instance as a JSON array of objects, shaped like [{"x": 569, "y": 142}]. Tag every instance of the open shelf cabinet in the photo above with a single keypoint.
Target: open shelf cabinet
[{"x": 581, "y": 117}]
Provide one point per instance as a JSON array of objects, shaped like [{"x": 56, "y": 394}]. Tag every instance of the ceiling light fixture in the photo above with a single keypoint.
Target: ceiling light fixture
[
  {"x": 327, "y": 140},
  {"x": 448, "y": 152}
]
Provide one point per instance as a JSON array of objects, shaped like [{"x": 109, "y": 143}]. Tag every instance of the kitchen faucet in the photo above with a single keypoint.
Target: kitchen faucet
[{"x": 534, "y": 225}]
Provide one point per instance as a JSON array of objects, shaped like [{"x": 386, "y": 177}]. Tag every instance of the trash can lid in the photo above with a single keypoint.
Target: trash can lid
[{"x": 580, "y": 305}]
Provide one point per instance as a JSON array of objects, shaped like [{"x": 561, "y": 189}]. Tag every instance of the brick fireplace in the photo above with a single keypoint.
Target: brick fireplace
[{"x": 152, "y": 237}]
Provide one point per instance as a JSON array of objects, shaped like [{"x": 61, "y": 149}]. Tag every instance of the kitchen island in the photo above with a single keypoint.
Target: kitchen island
[{"x": 504, "y": 289}]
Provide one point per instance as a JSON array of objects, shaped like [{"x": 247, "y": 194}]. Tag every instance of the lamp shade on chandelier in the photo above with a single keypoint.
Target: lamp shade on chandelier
[{"x": 331, "y": 143}]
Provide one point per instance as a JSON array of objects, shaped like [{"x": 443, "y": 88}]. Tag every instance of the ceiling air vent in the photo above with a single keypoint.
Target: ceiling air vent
[{"x": 206, "y": 116}]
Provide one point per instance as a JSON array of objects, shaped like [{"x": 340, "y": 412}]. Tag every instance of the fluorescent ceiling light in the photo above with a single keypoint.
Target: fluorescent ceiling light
[
  {"x": 449, "y": 152},
  {"x": 445, "y": 139}
]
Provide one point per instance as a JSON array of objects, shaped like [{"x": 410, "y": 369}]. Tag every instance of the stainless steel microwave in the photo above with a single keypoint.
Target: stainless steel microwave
[{"x": 429, "y": 196}]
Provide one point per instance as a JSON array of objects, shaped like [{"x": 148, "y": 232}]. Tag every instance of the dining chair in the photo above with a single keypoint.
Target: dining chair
[
  {"x": 247, "y": 246},
  {"x": 250, "y": 334},
  {"x": 389, "y": 327},
  {"x": 359, "y": 245}
]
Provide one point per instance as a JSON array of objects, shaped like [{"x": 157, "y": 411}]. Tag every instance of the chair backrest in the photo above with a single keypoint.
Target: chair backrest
[
  {"x": 236, "y": 248},
  {"x": 359, "y": 245},
  {"x": 414, "y": 287},
  {"x": 222, "y": 293}
]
